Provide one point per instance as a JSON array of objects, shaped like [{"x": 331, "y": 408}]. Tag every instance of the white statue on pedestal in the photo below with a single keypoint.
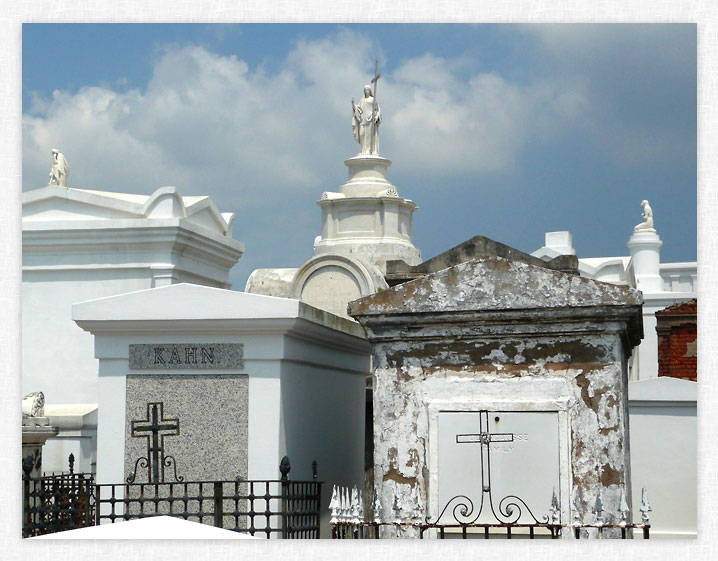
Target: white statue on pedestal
[
  {"x": 60, "y": 169},
  {"x": 366, "y": 118},
  {"x": 648, "y": 218}
]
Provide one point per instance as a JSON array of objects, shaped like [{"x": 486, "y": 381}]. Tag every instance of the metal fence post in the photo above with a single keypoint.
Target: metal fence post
[
  {"x": 218, "y": 505},
  {"x": 284, "y": 468},
  {"x": 97, "y": 504}
]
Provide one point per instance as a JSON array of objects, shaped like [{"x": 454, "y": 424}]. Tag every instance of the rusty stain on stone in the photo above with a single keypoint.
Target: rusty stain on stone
[
  {"x": 590, "y": 401},
  {"x": 610, "y": 476},
  {"x": 413, "y": 458},
  {"x": 394, "y": 475}
]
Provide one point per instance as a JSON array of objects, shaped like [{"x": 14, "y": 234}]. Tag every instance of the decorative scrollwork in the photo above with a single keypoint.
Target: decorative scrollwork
[
  {"x": 511, "y": 504},
  {"x": 143, "y": 463},
  {"x": 463, "y": 509},
  {"x": 169, "y": 461}
]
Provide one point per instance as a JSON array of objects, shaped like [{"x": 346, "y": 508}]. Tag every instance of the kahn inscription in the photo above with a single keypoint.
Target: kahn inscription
[{"x": 161, "y": 356}]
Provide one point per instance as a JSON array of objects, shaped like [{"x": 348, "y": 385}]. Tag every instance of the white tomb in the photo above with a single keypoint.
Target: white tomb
[
  {"x": 663, "y": 423},
  {"x": 82, "y": 244},
  {"x": 296, "y": 385}
]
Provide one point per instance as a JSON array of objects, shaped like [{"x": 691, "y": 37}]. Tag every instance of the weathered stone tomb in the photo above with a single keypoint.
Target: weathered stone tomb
[{"x": 497, "y": 378}]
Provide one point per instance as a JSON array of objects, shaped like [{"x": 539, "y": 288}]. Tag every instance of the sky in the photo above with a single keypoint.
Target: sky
[{"x": 508, "y": 131}]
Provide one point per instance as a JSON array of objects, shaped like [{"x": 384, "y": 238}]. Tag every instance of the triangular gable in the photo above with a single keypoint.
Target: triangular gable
[
  {"x": 60, "y": 203},
  {"x": 494, "y": 284},
  {"x": 184, "y": 301}
]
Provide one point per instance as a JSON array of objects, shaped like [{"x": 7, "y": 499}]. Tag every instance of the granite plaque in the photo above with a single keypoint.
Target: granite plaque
[
  {"x": 212, "y": 411},
  {"x": 161, "y": 356}
]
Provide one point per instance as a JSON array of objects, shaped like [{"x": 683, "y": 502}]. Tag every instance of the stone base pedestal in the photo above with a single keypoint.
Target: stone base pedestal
[
  {"x": 376, "y": 229},
  {"x": 367, "y": 177},
  {"x": 35, "y": 432},
  {"x": 365, "y": 224},
  {"x": 645, "y": 247}
]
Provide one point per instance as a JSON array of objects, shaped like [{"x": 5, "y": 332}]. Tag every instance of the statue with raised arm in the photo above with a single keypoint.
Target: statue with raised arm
[
  {"x": 60, "y": 169},
  {"x": 366, "y": 118},
  {"x": 647, "y": 216}
]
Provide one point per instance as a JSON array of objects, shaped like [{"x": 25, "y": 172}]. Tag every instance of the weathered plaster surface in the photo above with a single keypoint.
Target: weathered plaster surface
[
  {"x": 494, "y": 283},
  {"x": 519, "y": 334}
]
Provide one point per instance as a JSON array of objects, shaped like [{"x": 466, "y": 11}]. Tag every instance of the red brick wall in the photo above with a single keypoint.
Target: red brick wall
[{"x": 677, "y": 346}]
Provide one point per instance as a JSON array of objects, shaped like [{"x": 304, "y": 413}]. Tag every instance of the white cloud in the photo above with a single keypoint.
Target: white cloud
[
  {"x": 480, "y": 126},
  {"x": 640, "y": 85},
  {"x": 208, "y": 123}
]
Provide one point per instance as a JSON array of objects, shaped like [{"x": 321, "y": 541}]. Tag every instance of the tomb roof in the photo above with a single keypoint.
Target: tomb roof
[
  {"x": 54, "y": 204},
  {"x": 686, "y": 307},
  {"x": 474, "y": 248},
  {"x": 494, "y": 283}
]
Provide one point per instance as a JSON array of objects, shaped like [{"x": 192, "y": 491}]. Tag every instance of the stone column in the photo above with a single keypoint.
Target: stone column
[{"x": 645, "y": 247}]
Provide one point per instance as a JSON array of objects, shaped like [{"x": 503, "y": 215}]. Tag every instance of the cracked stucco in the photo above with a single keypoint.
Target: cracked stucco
[{"x": 565, "y": 338}]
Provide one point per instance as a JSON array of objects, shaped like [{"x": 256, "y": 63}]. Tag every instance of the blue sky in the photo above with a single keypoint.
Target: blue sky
[{"x": 501, "y": 130}]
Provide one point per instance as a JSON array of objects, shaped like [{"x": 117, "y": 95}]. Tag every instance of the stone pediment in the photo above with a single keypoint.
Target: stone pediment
[
  {"x": 477, "y": 247},
  {"x": 184, "y": 302},
  {"x": 50, "y": 204},
  {"x": 494, "y": 284}
]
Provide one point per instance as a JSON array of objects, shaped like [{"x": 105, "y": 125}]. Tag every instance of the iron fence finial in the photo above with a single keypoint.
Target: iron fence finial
[
  {"x": 314, "y": 470},
  {"x": 576, "y": 507},
  {"x": 71, "y": 462},
  {"x": 334, "y": 505},
  {"x": 598, "y": 508},
  {"x": 284, "y": 468},
  {"x": 376, "y": 507},
  {"x": 645, "y": 506},
  {"x": 623, "y": 508}
]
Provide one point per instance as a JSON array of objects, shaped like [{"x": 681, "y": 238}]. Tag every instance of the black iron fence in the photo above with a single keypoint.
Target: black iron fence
[
  {"x": 289, "y": 509},
  {"x": 57, "y": 502},
  {"x": 266, "y": 508},
  {"x": 372, "y": 530},
  {"x": 513, "y": 519}
]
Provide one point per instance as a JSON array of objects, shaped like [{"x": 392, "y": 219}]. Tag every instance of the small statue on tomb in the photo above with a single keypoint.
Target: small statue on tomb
[
  {"x": 33, "y": 404},
  {"x": 647, "y": 216},
  {"x": 60, "y": 169},
  {"x": 366, "y": 118}
]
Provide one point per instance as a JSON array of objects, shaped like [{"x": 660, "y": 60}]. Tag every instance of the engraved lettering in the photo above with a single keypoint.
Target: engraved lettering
[
  {"x": 208, "y": 355},
  {"x": 174, "y": 357},
  {"x": 158, "y": 355},
  {"x": 190, "y": 355}
]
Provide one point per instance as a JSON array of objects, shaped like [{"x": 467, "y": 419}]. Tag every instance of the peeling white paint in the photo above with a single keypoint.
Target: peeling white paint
[{"x": 525, "y": 336}]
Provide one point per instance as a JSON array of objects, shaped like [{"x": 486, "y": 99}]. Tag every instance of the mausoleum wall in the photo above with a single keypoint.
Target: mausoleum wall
[{"x": 488, "y": 344}]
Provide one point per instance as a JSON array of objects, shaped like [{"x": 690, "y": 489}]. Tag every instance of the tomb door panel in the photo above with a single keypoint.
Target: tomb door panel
[{"x": 495, "y": 459}]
